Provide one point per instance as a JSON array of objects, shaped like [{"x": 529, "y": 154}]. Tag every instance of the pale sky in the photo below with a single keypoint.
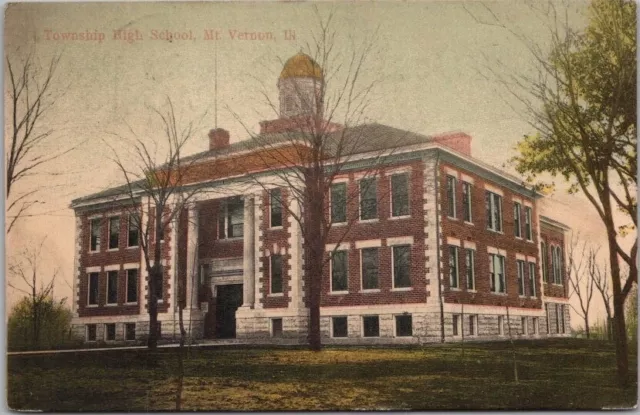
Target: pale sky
[{"x": 428, "y": 55}]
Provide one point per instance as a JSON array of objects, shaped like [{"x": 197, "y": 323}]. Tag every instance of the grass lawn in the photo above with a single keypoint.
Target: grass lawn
[{"x": 558, "y": 373}]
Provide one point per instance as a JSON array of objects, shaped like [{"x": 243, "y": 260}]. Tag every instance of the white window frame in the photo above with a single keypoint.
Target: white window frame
[
  {"x": 271, "y": 327},
  {"x": 95, "y": 326},
  {"x": 377, "y": 216},
  {"x": 408, "y": 178},
  {"x": 346, "y": 252},
  {"x": 332, "y": 326},
  {"x": 393, "y": 267},
  {"x": 129, "y": 218},
  {"x": 106, "y": 332},
  {"x": 126, "y": 298},
  {"x": 468, "y": 205},
  {"x": 125, "y": 332},
  {"x": 544, "y": 261},
  {"x": 517, "y": 219},
  {"x": 520, "y": 270},
  {"x": 451, "y": 198},
  {"x": 225, "y": 202},
  {"x": 362, "y": 270},
  {"x": 536, "y": 326},
  {"x": 456, "y": 325},
  {"x": 501, "y": 330},
  {"x": 532, "y": 279},
  {"x": 528, "y": 223},
  {"x": 346, "y": 211},
  {"x": 456, "y": 260},
  {"x": 473, "y": 323},
  {"x": 524, "y": 321},
  {"x": 363, "y": 331},
  {"x": 472, "y": 267},
  {"x": 280, "y": 293},
  {"x": 493, "y": 206},
  {"x": 395, "y": 324},
  {"x": 492, "y": 274}
]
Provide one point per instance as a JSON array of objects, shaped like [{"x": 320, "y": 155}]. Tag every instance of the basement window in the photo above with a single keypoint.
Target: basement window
[
  {"x": 371, "y": 325},
  {"x": 130, "y": 331},
  {"x": 110, "y": 332},
  {"x": 91, "y": 332},
  {"x": 404, "y": 325},
  {"x": 276, "y": 327},
  {"x": 339, "y": 327}
]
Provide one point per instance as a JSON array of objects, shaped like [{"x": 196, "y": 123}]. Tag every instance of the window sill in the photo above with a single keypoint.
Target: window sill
[
  {"x": 401, "y": 289},
  {"x": 518, "y": 237},
  {"x": 495, "y": 231},
  {"x": 113, "y": 249},
  {"x": 111, "y": 305},
  {"x": 496, "y": 293},
  {"x": 370, "y": 290},
  {"x": 452, "y": 218},
  {"x": 408, "y": 336},
  {"x": 340, "y": 338},
  {"x": 400, "y": 217},
  {"x": 371, "y": 337},
  {"x": 338, "y": 224},
  {"x": 454, "y": 289},
  {"x": 95, "y": 252},
  {"x": 92, "y": 306},
  {"x": 235, "y": 238},
  {"x": 469, "y": 223},
  {"x": 276, "y": 228},
  {"x": 338, "y": 292},
  {"x": 530, "y": 241},
  {"x": 133, "y": 247},
  {"x": 472, "y": 291},
  {"x": 136, "y": 303},
  {"x": 276, "y": 295},
  {"x": 368, "y": 220}
]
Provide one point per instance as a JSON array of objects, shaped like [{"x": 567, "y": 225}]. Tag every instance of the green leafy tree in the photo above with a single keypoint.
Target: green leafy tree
[
  {"x": 584, "y": 112},
  {"x": 53, "y": 319}
]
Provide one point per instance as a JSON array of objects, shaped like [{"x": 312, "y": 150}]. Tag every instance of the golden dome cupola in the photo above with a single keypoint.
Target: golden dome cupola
[{"x": 300, "y": 86}]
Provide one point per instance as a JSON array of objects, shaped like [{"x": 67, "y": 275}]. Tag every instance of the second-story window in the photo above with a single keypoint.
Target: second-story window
[
  {"x": 517, "y": 226},
  {"x": 556, "y": 264},
  {"x": 466, "y": 202},
  {"x": 338, "y": 202},
  {"x": 470, "y": 262},
  {"x": 132, "y": 285},
  {"x": 400, "y": 195},
  {"x": 231, "y": 218},
  {"x": 520, "y": 269},
  {"x": 275, "y": 196},
  {"x": 494, "y": 211},
  {"x": 369, "y": 268},
  {"x": 453, "y": 267},
  {"x": 94, "y": 243},
  {"x": 532, "y": 279},
  {"x": 114, "y": 232},
  {"x": 528, "y": 230},
  {"x": 368, "y": 199},
  {"x": 496, "y": 272},
  {"x": 544, "y": 262},
  {"x": 112, "y": 287},
  {"x": 276, "y": 274},
  {"x": 401, "y": 266},
  {"x": 451, "y": 196},
  {"x": 339, "y": 271},
  {"x": 133, "y": 238}
]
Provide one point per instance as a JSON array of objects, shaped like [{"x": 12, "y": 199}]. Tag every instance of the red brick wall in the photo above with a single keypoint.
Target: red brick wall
[
  {"x": 553, "y": 236},
  {"x": 271, "y": 236},
  {"x": 210, "y": 245},
  {"x": 385, "y": 227},
  {"x": 482, "y": 237},
  {"x": 121, "y": 255}
]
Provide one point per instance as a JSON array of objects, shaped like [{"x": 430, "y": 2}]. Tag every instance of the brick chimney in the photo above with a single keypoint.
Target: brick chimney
[
  {"x": 218, "y": 138},
  {"x": 460, "y": 142}
]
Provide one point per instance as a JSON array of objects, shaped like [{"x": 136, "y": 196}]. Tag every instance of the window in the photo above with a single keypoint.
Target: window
[
  {"x": 470, "y": 263},
  {"x": 557, "y": 318},
  {"x": 159, "y": 286},
  {"x": 401, "y": 262},
  {"x": 114, "y": 232},
  {"x": 548, "y": 309},
  {"x": 501, "y": 325},
  {"x": 339, "y": 281},
  {"x": 369, "y": 268},
  {"x": 556, "y": 264},
  {"x": 133, "y": 238},
  {"x": 338, "y": 203},
  {"x": 276, "y": 327},
  {"x": 130, "y": 331},
  {"x": 93, "y": 288},
  {"x": 94, "y": 244},
  {"x": 276, "y": 274},
  {"x": 371, "y": 326},
  {"x": 496, "y": 272},
  {"x": 523, "y": 325},
  {"x": 560, "y": 318},
  {"x": 532, "y": 279},
  {"x": 544, "y": 262},
  {"x": 456, "y": 324},
  {"x": 112, "y": 287},
  {"x": 528, "y": 231},
  {"x": 91, "y": 332},
  {"x": 517, "y": 225},
  {"x": 466, "y": 202},
  {"x": 453, "y": 266},
  {"x": 536, "y": 327},
  {"x": 494, "y": 211},
  {"x": 520, "y": 269},
  {"x": 339, "y": 327},
  {"x": 404, "y": 325},
  {"x": 473, "y": 325},
  {"x": 110, "y": 332},
  {"x": 231, "y": 218},
  {"x": 451, "y": 196},
  {"x": 400, "y": 195},
  {"x": 276, "y": 207},
  {"x": 132, "y": 286},
  {"x": 368, "y": 199}
]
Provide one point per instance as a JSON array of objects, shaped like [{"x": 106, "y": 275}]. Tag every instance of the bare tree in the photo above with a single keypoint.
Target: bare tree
[
  {"x": 580, "y": 277},
  {"x": 321, "y": 131},
  {"x": 161, "y": 188},
  {"x": 25, "y": 269},
  {"x": 32, "y": 96}
]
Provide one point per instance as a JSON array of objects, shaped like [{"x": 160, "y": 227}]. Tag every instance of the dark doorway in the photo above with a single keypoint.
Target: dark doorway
[{"x": 228, "y": 299}]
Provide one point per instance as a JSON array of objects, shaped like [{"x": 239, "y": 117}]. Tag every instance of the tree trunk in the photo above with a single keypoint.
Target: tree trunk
[
  {"x": 183, "y": 335},
  {"x": 314, "y": 243},
  {"x": 152, "y": 342},
  {"x": 586, "y": 325}
]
